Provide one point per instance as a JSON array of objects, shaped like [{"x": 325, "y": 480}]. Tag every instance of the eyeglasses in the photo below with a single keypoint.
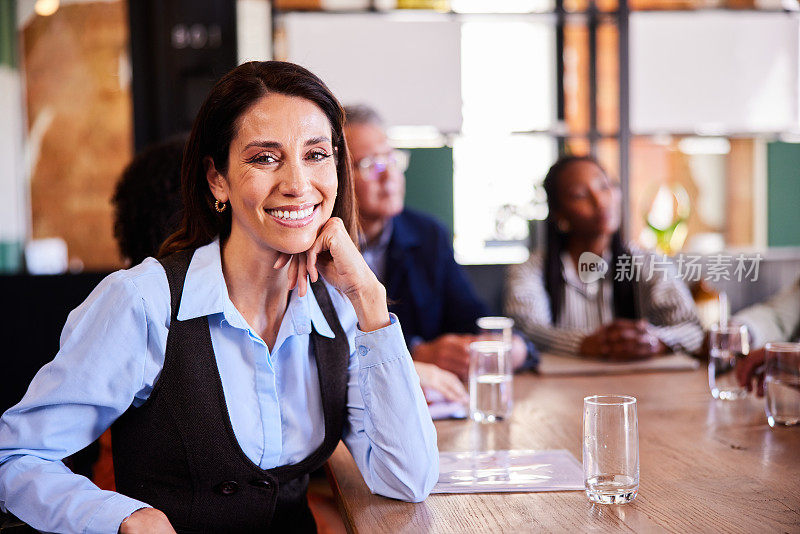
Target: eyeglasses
[{"x": 373, "y": 166}]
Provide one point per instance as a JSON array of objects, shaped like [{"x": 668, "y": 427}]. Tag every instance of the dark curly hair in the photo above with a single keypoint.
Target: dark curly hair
[{"x": 147, "y": 200}]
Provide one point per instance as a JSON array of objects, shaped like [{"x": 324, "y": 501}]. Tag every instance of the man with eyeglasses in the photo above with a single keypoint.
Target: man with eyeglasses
[{"x": 411, "y": 254}]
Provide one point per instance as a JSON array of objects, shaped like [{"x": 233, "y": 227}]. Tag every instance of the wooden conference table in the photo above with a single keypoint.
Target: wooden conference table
[{"x": 706, "y": 465}]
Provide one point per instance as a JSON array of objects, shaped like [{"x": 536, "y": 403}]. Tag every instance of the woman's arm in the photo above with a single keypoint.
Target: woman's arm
[
  {"x": 96, "y": 375},
  {"x": 775, "y": 319},
  {"x": 389, "y": 432}
]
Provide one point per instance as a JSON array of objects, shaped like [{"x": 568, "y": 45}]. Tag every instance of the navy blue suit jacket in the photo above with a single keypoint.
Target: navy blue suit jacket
[{"x": 427, "y": 290}]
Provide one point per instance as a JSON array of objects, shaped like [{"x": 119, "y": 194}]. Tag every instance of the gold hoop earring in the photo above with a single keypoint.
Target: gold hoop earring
[{"x": 220, "y": 206}]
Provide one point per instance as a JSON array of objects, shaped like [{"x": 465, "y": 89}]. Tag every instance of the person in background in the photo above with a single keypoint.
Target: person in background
[
  {"x": 615, "y": 317},
  {"x": 147, "y": 200},
  {"x": 777, "y": 319},
  {"x": 411, "y": 253},
  {"x": 256, "y": 341}
]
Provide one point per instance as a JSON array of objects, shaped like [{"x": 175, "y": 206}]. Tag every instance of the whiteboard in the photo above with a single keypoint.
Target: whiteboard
[
  {"x": 714, "y": 72},
  {"x": 407, "y": 68}
]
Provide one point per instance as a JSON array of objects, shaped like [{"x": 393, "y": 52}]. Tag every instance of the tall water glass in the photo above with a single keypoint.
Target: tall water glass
[
  {"x": 490, "y": 381},
  {"x": 610, "y": 448},
  {"x": 727, "y": 345},
  {"x": 496, "y": 329},
  {"x": 782, "y": 383}
]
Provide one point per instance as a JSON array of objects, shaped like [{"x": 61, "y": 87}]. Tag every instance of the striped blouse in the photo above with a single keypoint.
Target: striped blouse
[{"x": 663, "y": 299}]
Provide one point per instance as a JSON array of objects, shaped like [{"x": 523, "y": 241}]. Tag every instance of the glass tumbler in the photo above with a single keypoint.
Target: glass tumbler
[
  {"x": 490, "y": 381},
  {"x": 610, "y": 448},
  {"x": 782, "y": 383},
  {"x": 496, "y": 329},
  {"x": 727, "y": 345}
]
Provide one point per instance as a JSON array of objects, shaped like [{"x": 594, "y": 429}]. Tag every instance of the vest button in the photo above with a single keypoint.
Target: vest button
[
  {"x": 260, "y": 483},
  {"x": 227, "y": 488}
]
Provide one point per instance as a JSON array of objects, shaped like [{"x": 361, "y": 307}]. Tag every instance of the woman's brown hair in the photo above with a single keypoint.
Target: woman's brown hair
[{"x": 214, "y": 129}]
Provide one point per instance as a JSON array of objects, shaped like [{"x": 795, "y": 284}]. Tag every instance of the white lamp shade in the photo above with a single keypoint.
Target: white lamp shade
[
  {"x": 716, "y": 72},
  {"x": 407, "y": 67}
]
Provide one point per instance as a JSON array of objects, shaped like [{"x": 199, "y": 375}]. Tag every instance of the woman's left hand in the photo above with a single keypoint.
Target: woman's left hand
[{"x": 335, "y": 256}]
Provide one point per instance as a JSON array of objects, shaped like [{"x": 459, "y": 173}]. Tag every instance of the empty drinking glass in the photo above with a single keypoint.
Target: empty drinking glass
[
  {"x": 610, "y": 448},
  {"x": 782, "y": 383},
  {"x": 490, "y": 381},
  {"x": 727, "y": 344}
]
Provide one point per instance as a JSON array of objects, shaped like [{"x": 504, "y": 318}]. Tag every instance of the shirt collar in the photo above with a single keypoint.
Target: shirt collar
[
  {"x": 570, "y": 274},
  {"x": 381, "y": 242},
  {"x": 205, "y": 293}
]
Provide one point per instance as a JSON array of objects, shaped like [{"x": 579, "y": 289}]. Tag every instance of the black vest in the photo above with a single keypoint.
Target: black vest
[{"x": 178, "y": 453}]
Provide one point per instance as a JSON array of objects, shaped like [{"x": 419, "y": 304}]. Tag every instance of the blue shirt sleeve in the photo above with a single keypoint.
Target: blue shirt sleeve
[
  {"x": 94, "y": 378},
  {"x": 384, "y": 395},
  {"x": 112, "y": 350}
]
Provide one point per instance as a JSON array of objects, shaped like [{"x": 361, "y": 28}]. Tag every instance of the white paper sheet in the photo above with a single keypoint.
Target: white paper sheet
[
  {"x": 442, "y": 408},
  {"x": 508, "y": 471},
  {"x": 557, "y": 364},
  {"x": 447, "y": 410}
]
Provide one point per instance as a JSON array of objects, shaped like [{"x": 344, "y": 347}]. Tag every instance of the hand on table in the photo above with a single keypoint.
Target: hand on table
[
  {"x": 450, "y": 352},
  {"x": 747, "y": 369},
  {"x": 433, "y": 378},
  {"x": 146, "y": 521},
  {"x": 623, "y": 340}
]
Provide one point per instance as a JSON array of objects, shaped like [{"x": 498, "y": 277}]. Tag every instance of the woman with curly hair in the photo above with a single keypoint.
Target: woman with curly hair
[{"x": 147, "y": 200}]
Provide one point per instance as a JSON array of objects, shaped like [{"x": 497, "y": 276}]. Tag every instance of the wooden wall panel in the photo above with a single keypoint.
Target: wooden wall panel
[
  {"x": 740, "y": 193},
  {"x": 79, "y": 117}
]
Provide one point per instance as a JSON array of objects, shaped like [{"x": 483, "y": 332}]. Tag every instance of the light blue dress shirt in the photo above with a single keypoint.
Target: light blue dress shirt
[{"x": 112, "y": 351}]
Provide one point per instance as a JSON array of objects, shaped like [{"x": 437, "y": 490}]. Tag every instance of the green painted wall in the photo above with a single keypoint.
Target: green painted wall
[
  {"x": 783, "y": 194},
  {"x": 10, "y": 242},
  {"x": 8, "y": 33},
  {"x": 429, "y": 183},
  {"x": 10, "y": 256}
]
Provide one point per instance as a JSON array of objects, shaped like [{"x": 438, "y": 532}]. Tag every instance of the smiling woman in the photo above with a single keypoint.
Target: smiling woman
[
  {"x": 225, "y": 381},
  {"x": 251, "y": 101},
  {"x": 280, "y": 192}
]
